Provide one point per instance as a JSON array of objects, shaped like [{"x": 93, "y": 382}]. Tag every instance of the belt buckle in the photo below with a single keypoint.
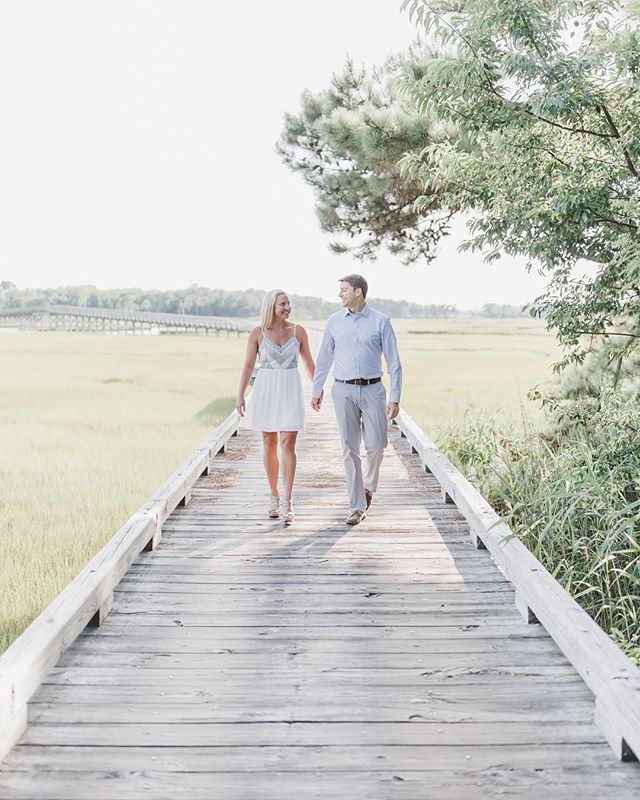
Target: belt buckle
[{"x": 361, "y": 382}]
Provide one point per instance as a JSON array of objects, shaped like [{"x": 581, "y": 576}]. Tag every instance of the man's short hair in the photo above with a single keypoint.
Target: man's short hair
[{"x": 358, "y": 282}]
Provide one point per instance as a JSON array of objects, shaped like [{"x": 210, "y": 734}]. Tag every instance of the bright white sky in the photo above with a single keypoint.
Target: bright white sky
[{"x": 137, "y": 149}]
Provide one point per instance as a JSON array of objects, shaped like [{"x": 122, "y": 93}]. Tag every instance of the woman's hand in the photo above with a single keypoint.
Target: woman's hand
[
  {"x": 241, "y": 406},
  {"x": 316, "y": 402}
]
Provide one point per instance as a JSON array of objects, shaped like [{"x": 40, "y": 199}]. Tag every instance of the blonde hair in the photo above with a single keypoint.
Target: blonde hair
[{"x": 268, "y": 307}]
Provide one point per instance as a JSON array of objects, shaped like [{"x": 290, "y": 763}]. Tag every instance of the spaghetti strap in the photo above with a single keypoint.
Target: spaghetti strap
[{"x": 294, "y": 328}]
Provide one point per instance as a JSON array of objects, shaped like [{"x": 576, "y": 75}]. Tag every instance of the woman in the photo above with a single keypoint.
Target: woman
[{"x": 276, "y": 405}]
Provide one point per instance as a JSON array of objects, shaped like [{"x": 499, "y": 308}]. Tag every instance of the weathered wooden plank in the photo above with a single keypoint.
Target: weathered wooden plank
[
  {"x": 452, "y": 694},
  {"x": 301, "y": 732},
  {"x": 294, "y": 674},
  {"x": 358, "y": 575},
  {"x": 518, "y": 783},
  {"x": 265, "y": 544},
  {"x": 265, "y": 604},
  {"x": 588, "y": 760},
  {"x": 273, "y": 618},
  {"x": 203, "y": 592},
  {"x": 289, "y": 616},
  {"x": 356, "y": 640},
  {"x": 320, "y": 707},
  {"x": 340, "y": 550},
  {"x": 324, "y": 657},
  {"x": 208, "y": 587},
  {"x": 468, "y": 571}
]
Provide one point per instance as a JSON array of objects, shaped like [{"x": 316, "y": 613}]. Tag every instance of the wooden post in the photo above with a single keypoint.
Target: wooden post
[
  {"x": 154, "y": 541},
  {"x": 605, "y": 719},
  {"x": 446, "y": 498},
  {"x": 102, "y": 613},
  {"x": 522, "y": 606},
  {"x": 476, "y": 541}
]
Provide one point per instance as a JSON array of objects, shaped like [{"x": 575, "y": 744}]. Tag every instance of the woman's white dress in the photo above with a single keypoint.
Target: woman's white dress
[{"x": 276, "y": 402}]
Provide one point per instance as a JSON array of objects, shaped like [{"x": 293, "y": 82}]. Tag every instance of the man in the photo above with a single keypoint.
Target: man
[{"x": 354, "y": 341}]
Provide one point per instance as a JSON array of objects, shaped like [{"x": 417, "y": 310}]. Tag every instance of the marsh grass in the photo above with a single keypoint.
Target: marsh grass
[
  {"x": 90, "y": 427},
  {"x": 456, "y": 367},
  {"x": 575, "y": 504}
]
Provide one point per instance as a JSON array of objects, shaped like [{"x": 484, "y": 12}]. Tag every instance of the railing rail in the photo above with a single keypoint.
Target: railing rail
[
  {"x": 612, "y": 677},
  {"x": 88, "y": 599}
]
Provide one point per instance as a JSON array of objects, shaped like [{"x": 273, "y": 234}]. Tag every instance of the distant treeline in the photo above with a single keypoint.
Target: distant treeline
[{"x": 220, "y": 303}]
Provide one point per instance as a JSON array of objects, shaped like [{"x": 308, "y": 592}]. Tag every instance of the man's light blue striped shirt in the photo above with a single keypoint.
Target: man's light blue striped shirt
[{"x": 354, "y": 344}]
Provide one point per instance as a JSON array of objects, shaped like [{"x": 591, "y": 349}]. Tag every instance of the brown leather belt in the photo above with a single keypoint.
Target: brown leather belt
[{"x": 360, "y": 381}]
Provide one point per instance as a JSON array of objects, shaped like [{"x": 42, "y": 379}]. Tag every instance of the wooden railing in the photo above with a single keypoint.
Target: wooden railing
[
  {"x": 88, "y": 599},
  {"x": 611, "y": 676}
]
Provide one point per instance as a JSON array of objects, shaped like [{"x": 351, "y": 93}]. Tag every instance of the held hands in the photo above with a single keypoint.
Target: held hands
[
  {"x": 393, "y": 409},
  {"x": 316, "y": 402},
  {"x": 241, "y": 406}
]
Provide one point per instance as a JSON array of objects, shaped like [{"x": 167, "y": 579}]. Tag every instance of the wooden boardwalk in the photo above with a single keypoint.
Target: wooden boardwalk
[{"x": 243, "y": 660}]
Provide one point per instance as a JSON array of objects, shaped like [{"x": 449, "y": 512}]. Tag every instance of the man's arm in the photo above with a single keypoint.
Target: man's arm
[
  {"x": 323, "y": 364},
  {"x": 392, "y": 357}
]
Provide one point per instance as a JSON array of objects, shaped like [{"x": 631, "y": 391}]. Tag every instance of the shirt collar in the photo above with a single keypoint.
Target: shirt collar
[{"x": 363, "y": 313}]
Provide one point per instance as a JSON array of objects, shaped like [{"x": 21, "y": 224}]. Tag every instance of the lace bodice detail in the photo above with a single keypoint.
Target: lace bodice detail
[{"x": 276, "y": 356}]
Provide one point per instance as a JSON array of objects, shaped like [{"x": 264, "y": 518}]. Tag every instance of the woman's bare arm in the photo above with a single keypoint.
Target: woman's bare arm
[
  {"x": 249, "y": 363},
  {"x": 305, "y": 351}
]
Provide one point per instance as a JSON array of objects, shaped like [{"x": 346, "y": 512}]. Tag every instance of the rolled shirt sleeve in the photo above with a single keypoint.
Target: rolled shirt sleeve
[{"x": 392, "y": 357}]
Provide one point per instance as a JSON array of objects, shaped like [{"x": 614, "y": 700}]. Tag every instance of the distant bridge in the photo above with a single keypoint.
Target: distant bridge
[{"x": 81, "y": 318}]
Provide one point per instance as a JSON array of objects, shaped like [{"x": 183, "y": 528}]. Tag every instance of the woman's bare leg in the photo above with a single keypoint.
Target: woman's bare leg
[
  {"x": 289, "y": 460},
  {"x": 271, "y": 465}
]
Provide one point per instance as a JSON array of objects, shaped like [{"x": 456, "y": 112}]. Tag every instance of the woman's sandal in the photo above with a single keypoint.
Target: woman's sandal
[
  {"x": 287, "y": 512},
  {"x": 274, "y": 508}
]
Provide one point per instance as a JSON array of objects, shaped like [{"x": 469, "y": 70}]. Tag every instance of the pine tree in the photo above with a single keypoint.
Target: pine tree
[{"x": 346, "y": 143}]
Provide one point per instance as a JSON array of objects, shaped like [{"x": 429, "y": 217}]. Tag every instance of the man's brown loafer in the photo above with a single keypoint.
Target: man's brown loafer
[
  {"x": 369, "y": 496},
  {"x": 356, "y": 517}
]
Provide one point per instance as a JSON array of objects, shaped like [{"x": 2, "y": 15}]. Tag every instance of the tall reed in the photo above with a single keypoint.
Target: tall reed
[{"x": 574, "y": 502}]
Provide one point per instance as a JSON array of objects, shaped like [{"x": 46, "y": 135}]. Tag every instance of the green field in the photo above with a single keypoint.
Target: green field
[
  {"x": 452, "y": 367},
  {"x": 92, "y": 425}
]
